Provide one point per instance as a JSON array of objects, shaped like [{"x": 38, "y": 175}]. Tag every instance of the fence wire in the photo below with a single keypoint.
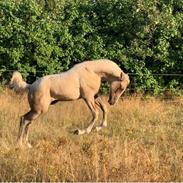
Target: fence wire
[{"x": 130, "y": 74}]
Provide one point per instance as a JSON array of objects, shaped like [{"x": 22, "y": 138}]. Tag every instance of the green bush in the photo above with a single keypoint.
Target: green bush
[{"x": 39, "y": 37}]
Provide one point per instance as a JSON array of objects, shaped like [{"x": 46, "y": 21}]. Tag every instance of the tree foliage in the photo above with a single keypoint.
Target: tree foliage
[{"x": 143, "y": 37}]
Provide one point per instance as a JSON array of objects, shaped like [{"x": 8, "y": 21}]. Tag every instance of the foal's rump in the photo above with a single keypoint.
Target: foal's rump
[{"x": 39, "y": 96}]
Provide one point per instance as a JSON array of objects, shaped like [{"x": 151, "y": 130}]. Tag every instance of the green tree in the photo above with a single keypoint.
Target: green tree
[{"x": 142, "y": 37}]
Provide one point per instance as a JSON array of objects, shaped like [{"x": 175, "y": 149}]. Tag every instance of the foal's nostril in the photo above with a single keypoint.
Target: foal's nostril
[{"x": 111, "y": 102}]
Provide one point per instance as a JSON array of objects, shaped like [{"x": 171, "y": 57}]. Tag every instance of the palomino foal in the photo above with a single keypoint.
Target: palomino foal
[{"x": 81, "y": 81}]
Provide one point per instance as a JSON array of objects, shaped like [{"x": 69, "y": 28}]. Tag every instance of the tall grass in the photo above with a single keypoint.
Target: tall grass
[{"x": 143, "y": 142}]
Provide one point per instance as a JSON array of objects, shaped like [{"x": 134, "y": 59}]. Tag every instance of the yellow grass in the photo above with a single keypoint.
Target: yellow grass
[{"x": 143, "y": 142}]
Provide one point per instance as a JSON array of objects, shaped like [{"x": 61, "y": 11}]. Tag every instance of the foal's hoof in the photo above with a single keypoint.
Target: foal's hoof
[
  {"x": 18, "y": 147},
  {"x": 23, "y": 146},
  {"x": 98, "y": 128},
  {"x": 29, "y": 145},
  {"x": 79, "y": 132},
  {"x": 76, "y": 132}
]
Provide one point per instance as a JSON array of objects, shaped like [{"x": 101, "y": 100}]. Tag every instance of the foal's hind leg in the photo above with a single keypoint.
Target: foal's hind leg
[
  {"x": 25, "y": 137},
  {"x": 25, "y": 121},
  {"x": 93, "y": 108},
  {"x": 100, "y": 103}
]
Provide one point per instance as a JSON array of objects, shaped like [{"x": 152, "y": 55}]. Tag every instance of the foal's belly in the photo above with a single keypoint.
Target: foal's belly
[
  {"x": 64, "y": 87},
  {"x": 65, "y": 94}
]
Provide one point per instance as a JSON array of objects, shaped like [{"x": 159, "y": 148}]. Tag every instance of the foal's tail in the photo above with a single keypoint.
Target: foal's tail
[{"x": 17, "y": 83}]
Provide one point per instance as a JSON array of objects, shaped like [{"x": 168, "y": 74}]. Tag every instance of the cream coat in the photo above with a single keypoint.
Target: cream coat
[{"x": 81, "y": 81}]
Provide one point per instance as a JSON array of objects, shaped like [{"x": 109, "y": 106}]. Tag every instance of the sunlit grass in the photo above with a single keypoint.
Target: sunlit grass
[{"x": 143, "y": 142}]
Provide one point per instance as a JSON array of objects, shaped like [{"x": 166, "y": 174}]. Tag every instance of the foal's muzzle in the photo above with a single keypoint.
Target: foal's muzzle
[{"x": 111, "y": 101}]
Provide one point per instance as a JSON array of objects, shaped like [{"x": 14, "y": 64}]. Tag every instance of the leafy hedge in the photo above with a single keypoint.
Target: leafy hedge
[{"x": 39, "y": 37}]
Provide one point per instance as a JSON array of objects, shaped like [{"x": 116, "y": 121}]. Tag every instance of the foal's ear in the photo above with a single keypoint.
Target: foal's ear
[{"x": 122, "y": 75}]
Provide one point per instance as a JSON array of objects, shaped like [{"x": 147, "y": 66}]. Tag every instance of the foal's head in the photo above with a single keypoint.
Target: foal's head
[{"x": 117, "y": 87}]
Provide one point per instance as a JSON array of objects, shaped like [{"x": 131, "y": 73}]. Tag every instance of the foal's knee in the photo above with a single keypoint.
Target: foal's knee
[
  {"x": 95, "y": 114},
  {"x": 31, "y": 115},
  {"x": 24, "y": 121}
]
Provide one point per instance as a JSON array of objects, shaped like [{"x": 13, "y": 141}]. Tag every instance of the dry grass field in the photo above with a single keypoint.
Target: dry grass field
[{"x": 143, "y": 142}]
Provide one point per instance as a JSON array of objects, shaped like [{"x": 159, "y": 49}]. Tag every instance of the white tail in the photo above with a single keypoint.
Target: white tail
[{"x": 17, "y": 83}]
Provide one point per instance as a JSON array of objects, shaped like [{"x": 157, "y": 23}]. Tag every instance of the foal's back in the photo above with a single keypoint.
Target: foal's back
[{"x": 81, "y": 79}]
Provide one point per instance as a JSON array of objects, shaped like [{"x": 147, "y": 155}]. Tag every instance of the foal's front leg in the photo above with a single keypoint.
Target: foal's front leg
[
  {"x": 93, "y": 108},
  {"x": 103, "y": 107}
]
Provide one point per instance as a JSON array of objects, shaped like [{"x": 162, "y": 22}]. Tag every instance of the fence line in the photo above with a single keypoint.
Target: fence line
[
  {"x": 155, "y": 74},
  {"x": 130, "y": 74},
  {"x": 148, "y": 89}
]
